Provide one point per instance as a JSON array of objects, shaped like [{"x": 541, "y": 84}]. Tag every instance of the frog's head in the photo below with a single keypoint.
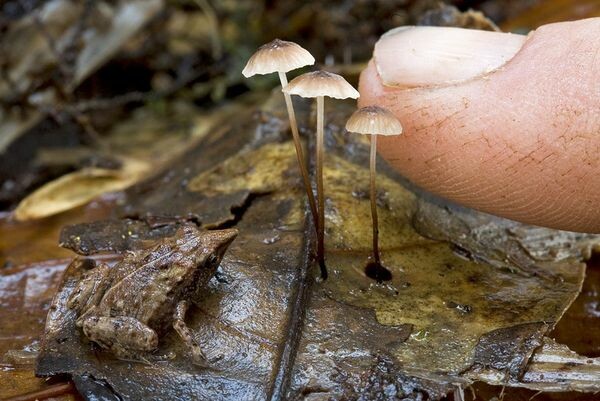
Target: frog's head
[
  {"x": 216, "y": 242},
  {"x": 208, "y": 247}
]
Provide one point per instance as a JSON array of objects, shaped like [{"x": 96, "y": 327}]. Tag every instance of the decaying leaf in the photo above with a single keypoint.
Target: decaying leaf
[
  {"x": 227, "y": 187},
  {"x": 485, "y": 308},
  {"x": 240, "y": 324},
  {"x": 123, "y": 22},
  {"x": 555, "y": 367},
  {"x": 460, "y": 306},
  {"x": 23, "y": 290},
  {"x": 259, "y": 171},
  {"x": 111, "y": 235},
  {"x": 166, "y": 198},
  {"x": 78, "y": 188}
]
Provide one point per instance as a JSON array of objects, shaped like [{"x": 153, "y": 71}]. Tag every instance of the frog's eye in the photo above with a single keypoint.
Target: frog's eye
[{"x": 212, "y": 259}]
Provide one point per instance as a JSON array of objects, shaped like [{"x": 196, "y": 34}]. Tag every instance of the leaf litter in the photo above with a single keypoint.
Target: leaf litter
[{"x": 456, "y": 310}]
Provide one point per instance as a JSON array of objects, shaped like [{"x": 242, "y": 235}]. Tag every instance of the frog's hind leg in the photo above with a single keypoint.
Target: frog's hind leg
[
  {"x": 185, "y": 333},
  {"x": 126, "y": 336}
]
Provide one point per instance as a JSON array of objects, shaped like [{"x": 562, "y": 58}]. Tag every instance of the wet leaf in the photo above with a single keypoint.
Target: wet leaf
[
  {"x": 259, "y": 171},
  {"x": 471, "y": 297},
  {"x": 25, "y": 292},
  {"x": 111, "y": 235},
  {"x": 479, "y": 294},
  {"x": 554, "y": 367},
  {"x": 78, "y": 188},
  {"x": 240, "y": 323}
]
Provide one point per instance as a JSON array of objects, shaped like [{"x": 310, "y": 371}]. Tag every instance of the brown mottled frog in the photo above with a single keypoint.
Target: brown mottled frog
[{"x": 127, "y": 307}]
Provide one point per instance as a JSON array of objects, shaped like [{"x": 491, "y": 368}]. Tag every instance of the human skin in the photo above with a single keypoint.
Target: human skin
[{"x": 521, "y": 141}]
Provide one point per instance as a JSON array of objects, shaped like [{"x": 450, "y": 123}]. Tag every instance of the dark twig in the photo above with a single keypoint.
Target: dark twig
[
  {"x": 50, "y": 41},
  {"x": 71, "y": 50},
  {"x": 84, "y": 106},
  {"x": 215, "y": 36},
  {"x": 53, "y": 391},
  {"x": 4, "y": 74}
]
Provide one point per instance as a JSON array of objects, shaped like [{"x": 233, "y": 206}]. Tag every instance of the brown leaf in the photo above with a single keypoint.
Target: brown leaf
[{"x": 78, "y": 188}]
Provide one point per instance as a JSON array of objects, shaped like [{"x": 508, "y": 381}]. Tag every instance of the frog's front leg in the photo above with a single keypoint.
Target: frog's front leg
[
  {"x": 126, "y": 336},
  {"x": 90, "y": 289},
  {"x": 186, "y": 334}
]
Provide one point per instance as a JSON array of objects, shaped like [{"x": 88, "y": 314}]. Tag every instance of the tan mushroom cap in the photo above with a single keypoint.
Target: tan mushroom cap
[
  {"x": 374, "y": 120},
  {"x": 321, "y": 83},
  {"x": 277, "y": 56}
]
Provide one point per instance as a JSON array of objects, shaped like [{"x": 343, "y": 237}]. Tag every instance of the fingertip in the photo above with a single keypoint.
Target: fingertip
[
  {"x": 510, "y": 143},
  {"x": 369, "y": 86}
]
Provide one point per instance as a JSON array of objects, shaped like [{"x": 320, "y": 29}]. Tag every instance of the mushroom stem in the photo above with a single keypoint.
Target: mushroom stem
[
  {"x": 373, "y": 167},
  {"x": 320, "y": 198},
  {"x": 299, "y": 153}
]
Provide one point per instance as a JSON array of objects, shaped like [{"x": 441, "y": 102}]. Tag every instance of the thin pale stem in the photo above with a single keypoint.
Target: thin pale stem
[
  {"x": 320, "y": 197},
  {"x": 299, "y": 152},
  {"x": 373, "y": 168}
]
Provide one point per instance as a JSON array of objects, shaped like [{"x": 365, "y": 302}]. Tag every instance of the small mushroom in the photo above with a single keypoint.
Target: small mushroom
[
  {"x": 281, "y": 56},
  {"x": 319, "y": 84},
  {"x": 373, "y": 121}
]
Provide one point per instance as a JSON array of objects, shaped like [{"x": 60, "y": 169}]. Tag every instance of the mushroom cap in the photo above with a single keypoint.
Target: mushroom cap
[
  {"x": 321, "y": 83},
  {"x": 374, "y": 120},
  {"x": 277, "y": 56}
]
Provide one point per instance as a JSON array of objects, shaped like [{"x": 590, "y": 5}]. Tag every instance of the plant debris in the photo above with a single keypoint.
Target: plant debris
[{"x": 441, "y": 321}]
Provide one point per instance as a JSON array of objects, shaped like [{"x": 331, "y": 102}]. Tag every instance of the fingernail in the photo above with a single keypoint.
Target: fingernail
[{"x": 430, "y": 56}]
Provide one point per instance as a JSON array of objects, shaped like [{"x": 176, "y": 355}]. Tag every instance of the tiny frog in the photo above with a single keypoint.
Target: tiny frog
[{"x": 127, "y": 307}]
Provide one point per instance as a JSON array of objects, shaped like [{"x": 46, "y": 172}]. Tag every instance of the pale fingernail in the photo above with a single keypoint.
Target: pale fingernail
[{"x": 430, "y": 56}]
